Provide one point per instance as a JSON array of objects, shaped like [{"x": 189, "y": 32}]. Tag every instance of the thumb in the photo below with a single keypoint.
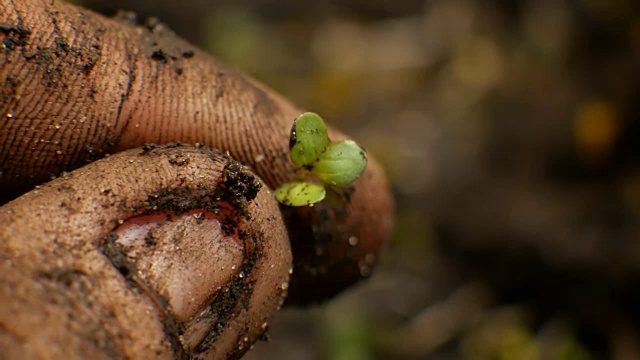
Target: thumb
[{"x": 156, "y": 253}]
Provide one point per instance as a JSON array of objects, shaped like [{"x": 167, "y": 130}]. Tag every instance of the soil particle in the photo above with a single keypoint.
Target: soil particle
[
  {"x": 150, "y": 239},
  {"x": 156, "y": 26},
  {"x": 127, "y": 17},
  {"x": 15, "y": 35},
  {"x": 10, "y": 43},
  {"x": 9, "y": 88},
  {"x": 159, "y": 55},
  {"x": 91, "y": 58},
  {"x": 91, "y": 93},
  {"x": 152, "y": 24},
  {"x": 113, "y": 141},
  {"x": 115, "y": 253},
  {"x": 179, "y": 160},
  {"x": 228, "y": 227},
  {"x": 239, "y": 186},
  {"x": 147, "y": 147},
  {"x": 200, "y": 218},
  {"x": 62, "y": 46},
  {"x": 179, "y": 201},
  {"x": 91, "y": 153}
]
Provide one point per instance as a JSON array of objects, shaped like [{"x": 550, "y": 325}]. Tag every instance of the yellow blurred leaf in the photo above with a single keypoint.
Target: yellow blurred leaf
[{"x": 596, "y": 128}]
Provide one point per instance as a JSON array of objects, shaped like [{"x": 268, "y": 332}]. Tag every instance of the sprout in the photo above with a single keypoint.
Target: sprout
[
  {"x": 341, "y": 163},
  {"x": 300, "y": 193},
  {"x": 308, "y": 139},
  {"x": 335, "y": 164}
]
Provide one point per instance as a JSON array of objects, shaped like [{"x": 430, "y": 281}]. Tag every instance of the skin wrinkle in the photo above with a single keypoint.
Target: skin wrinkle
[
  {"x": 130, "y": 73},
  {"x": 8, "y": 145},
  {"x": 71, "y": 124},
  {"x": 46, "y": 104}
]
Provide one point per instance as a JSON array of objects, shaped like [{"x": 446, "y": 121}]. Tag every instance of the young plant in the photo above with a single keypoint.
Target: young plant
[{"x": 323, "y": 163}]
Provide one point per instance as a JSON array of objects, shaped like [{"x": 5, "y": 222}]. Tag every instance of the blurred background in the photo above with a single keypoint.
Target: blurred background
[{"x": 511, "y": 134}]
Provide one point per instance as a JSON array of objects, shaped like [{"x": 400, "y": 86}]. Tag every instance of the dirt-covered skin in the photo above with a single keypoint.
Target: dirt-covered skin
[
  {"x": 76, "y": 86},
  {"x": 71, "y": 290}
]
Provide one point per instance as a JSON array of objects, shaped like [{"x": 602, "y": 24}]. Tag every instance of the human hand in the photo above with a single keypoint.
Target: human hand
[{"x": 77, "y": 86}]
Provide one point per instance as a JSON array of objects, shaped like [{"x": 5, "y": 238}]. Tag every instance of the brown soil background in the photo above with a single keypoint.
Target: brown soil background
[{"x": 511, "y": 134}]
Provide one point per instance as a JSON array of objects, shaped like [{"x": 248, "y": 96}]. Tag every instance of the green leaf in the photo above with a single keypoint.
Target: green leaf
[
  {"x": 300, "y": 193},
  {"x": 341, "y": 163},
  {"x": 308, "y": 139}
]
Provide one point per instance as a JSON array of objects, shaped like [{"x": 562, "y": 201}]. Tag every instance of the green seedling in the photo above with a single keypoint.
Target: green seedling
[
  {"x": 341, "y": 163},
  {"x": 308, "y": 139},
  {"x": 323, "y": 163},
  {"x": 300, "y": 193}
]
